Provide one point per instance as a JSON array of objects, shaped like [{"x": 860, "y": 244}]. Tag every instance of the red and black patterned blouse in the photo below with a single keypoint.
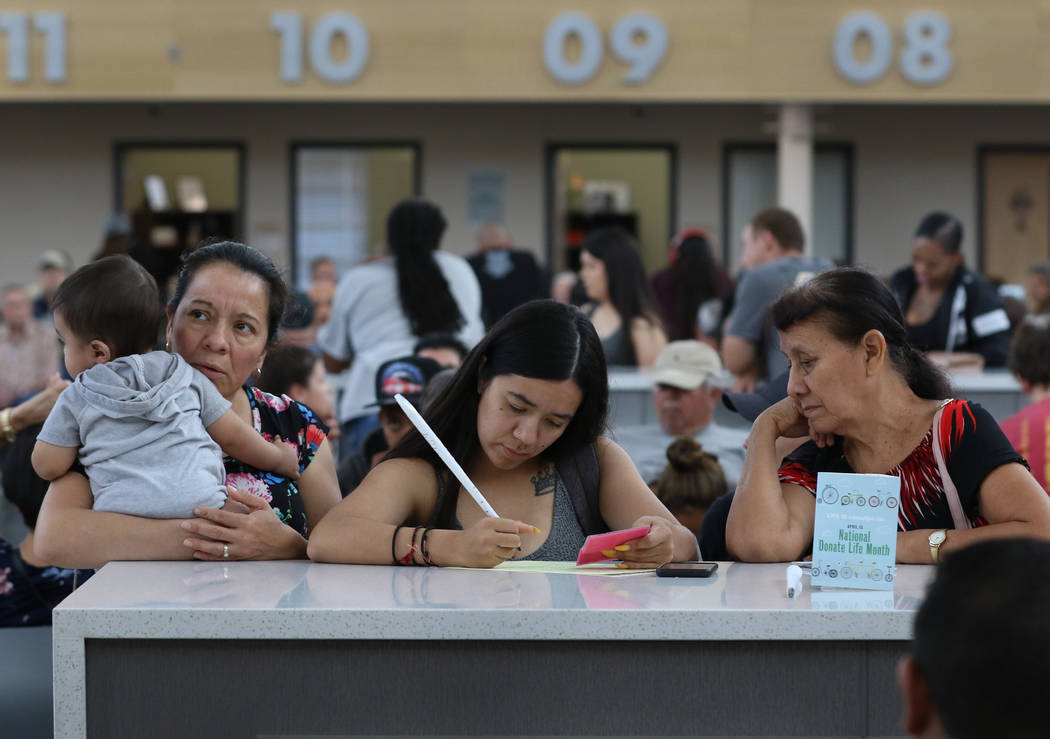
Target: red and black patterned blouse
[{"x": 972, "y": 444}]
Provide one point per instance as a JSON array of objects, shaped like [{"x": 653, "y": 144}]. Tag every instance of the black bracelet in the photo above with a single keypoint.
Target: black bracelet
[
  {"x": 393, "y": 544},
  {"x": 423, "y": 547}
]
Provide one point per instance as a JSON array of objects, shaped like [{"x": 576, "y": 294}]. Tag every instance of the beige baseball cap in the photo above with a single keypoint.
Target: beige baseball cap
[{"x": 687, "y": 365}]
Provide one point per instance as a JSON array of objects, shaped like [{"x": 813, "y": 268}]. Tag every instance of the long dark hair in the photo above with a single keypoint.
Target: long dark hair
[
  {"x": 628, "y": 290},
  {"x": 695, "y": 279},
  {"x": 541, "y": 339},
  {"x": 246, "y": 259},
  {"x": 852, "y": 301},
  {"x": 413, "y": 232}
]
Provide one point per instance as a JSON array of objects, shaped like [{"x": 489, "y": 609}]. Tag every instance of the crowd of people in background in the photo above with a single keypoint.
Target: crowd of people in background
[{"x": 511, "y": 365}]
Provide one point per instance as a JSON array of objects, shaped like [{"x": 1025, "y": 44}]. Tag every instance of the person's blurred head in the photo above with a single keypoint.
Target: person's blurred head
[
  {"x": 405, "y": 376},
  {"x": 108, "y": 308},
  {"x": 225, "y": 312},
  {"x": 690, "y": 482},
  {"x": 1037, "y": 287},
  {"x": 53, "y": 268},
  {"x": 841, "y": 331},
  {"x": 981, "y": 645},
  {"x": 684, "y": 389},
  {"x": 1029, "y": 356},
  {"x": 494, "y": 236},
  {"x": 322, "y": 269},
  {"x": 298, "y": 373},
  {"x": 16, "y": 307},
  {"x": 562, "y": 285},
  {"x": 769, "y": 235},
  {"x": 321, "y": 296},
  {"x": 443, "y": 347},
  {"x": 936, "y": 251},
  {"x": 612, "y": 272},
  {"x": 435, "y": 387}
]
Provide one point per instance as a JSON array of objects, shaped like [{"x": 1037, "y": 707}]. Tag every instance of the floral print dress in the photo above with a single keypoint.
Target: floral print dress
[{"x": 296, "y": 424}]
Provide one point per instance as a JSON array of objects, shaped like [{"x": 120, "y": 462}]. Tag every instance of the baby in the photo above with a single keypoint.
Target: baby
[{"x": 149, "y": 429}]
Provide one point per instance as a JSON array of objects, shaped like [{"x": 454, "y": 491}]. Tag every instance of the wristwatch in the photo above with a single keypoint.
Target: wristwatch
[{"x": 936, "y": 539}]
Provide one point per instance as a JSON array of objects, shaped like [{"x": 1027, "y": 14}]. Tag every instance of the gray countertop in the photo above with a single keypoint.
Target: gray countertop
[{"x": 186, "y": 600}]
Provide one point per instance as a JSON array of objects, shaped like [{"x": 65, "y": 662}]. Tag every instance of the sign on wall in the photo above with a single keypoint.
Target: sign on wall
[{"x": 419, "y": 50}]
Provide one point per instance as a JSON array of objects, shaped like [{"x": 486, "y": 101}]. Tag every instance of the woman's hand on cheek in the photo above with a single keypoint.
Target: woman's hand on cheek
[
  {"x": 790, "y": 423},
  {"x": 786, "y": 419},
  {"x": 653, "y": 549},
  {"x": 256, "y": 534}
]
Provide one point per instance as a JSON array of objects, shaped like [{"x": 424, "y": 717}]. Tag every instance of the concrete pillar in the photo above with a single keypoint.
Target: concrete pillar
[{"x": 795, "y": 165}]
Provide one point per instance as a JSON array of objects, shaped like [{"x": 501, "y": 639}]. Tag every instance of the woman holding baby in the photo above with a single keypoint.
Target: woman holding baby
[{"x": 222, "y": 319}]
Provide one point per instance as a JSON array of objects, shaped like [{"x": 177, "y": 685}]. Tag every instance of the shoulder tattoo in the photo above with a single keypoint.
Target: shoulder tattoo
[{"x": 544, "y": 481}]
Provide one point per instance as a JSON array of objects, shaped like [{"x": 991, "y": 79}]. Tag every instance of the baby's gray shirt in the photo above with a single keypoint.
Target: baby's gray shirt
[{"x": 140, "y": 424}]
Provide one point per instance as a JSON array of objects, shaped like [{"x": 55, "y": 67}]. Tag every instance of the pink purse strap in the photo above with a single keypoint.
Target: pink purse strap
[{"x": 959, "y": 517}]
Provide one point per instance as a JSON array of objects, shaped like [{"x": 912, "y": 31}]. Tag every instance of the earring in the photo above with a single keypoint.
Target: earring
[{"x": 167, "y": 346}]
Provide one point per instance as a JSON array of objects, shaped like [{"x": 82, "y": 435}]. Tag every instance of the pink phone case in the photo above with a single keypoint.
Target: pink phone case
[{"x": 592, "y": 549}]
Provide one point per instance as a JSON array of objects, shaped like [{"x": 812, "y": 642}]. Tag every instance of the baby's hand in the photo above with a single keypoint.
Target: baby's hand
[
  {"x": 288, "y": 464},
  {"x": 234, "y": 506}
]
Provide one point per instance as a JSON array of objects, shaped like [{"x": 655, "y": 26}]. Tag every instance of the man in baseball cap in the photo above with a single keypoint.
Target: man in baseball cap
[
  {"x": 687, "y": 385},
  {"x": 407, "y": 376}
]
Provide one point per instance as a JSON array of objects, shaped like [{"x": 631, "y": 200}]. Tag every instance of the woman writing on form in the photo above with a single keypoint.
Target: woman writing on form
[{"x": 524, "y": 416}]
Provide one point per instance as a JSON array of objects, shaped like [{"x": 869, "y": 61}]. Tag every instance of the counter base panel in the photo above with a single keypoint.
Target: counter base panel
[{"x": 248, "y": 688}]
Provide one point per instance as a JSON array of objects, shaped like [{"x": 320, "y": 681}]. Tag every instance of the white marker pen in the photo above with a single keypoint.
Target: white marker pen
[
  {"x": 794, "y": 581},
  {"x": 446, "y": 456}
]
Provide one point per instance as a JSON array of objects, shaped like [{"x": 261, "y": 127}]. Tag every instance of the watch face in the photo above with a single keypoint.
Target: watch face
[{"x": 937, "y": 537}]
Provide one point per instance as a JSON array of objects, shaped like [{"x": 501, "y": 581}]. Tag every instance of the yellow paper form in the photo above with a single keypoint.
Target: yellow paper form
[{"x": 559, "y": 568}]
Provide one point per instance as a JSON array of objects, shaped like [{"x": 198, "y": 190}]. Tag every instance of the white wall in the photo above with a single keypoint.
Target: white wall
[{"x": 56, "y": 178}]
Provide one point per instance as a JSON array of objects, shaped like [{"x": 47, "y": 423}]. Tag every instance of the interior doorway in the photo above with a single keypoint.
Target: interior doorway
[
  {"x": 341, "y": 195},
  {"x": 1014, "y": 211},
  {"x": 589, "y": 186},
  {"x": 169, "y": 196}
]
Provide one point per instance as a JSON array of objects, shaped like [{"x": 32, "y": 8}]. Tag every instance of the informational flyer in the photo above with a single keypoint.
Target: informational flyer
[{"x": 855, "y": 531}]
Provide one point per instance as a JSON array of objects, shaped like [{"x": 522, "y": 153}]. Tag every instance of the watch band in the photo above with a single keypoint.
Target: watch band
[{"x": 935, "y": 549}]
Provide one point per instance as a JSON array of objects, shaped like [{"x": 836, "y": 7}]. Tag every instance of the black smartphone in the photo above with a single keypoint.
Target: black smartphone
[{"x": 686, "y": 569}]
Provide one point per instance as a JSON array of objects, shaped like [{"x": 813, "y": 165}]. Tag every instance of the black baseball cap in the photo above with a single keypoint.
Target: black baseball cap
[
  {"x": 750, "y": 405},
  {"x": 405, "y": 375}
]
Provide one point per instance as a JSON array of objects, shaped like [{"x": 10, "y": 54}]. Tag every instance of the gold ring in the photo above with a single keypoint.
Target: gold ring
[{"x": 225, "y": 551}]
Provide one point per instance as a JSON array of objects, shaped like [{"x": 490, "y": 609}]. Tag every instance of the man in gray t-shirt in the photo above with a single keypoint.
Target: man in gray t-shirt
[{"x": 773, "y": 258}]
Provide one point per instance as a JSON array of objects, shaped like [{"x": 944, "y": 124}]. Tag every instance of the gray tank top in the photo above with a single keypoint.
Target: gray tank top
[
  {"x": 566, "y": 537},
  {"x": 618, "y": 348}
]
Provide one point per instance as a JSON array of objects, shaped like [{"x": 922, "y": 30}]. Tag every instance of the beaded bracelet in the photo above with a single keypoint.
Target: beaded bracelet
[{"x": 410, "y": 557}]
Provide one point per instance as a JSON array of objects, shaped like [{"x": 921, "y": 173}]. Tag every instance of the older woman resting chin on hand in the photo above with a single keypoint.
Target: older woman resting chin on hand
[
  {"x": 222, "y": 318},
  {"x": 869, "y": 401}
]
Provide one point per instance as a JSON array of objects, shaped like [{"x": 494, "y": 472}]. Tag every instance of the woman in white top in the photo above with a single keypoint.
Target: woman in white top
[{"x": 381, "y": 308}]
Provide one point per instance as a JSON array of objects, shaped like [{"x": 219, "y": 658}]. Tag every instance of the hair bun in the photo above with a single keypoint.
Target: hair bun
[{"x": 685, "y": 453}]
